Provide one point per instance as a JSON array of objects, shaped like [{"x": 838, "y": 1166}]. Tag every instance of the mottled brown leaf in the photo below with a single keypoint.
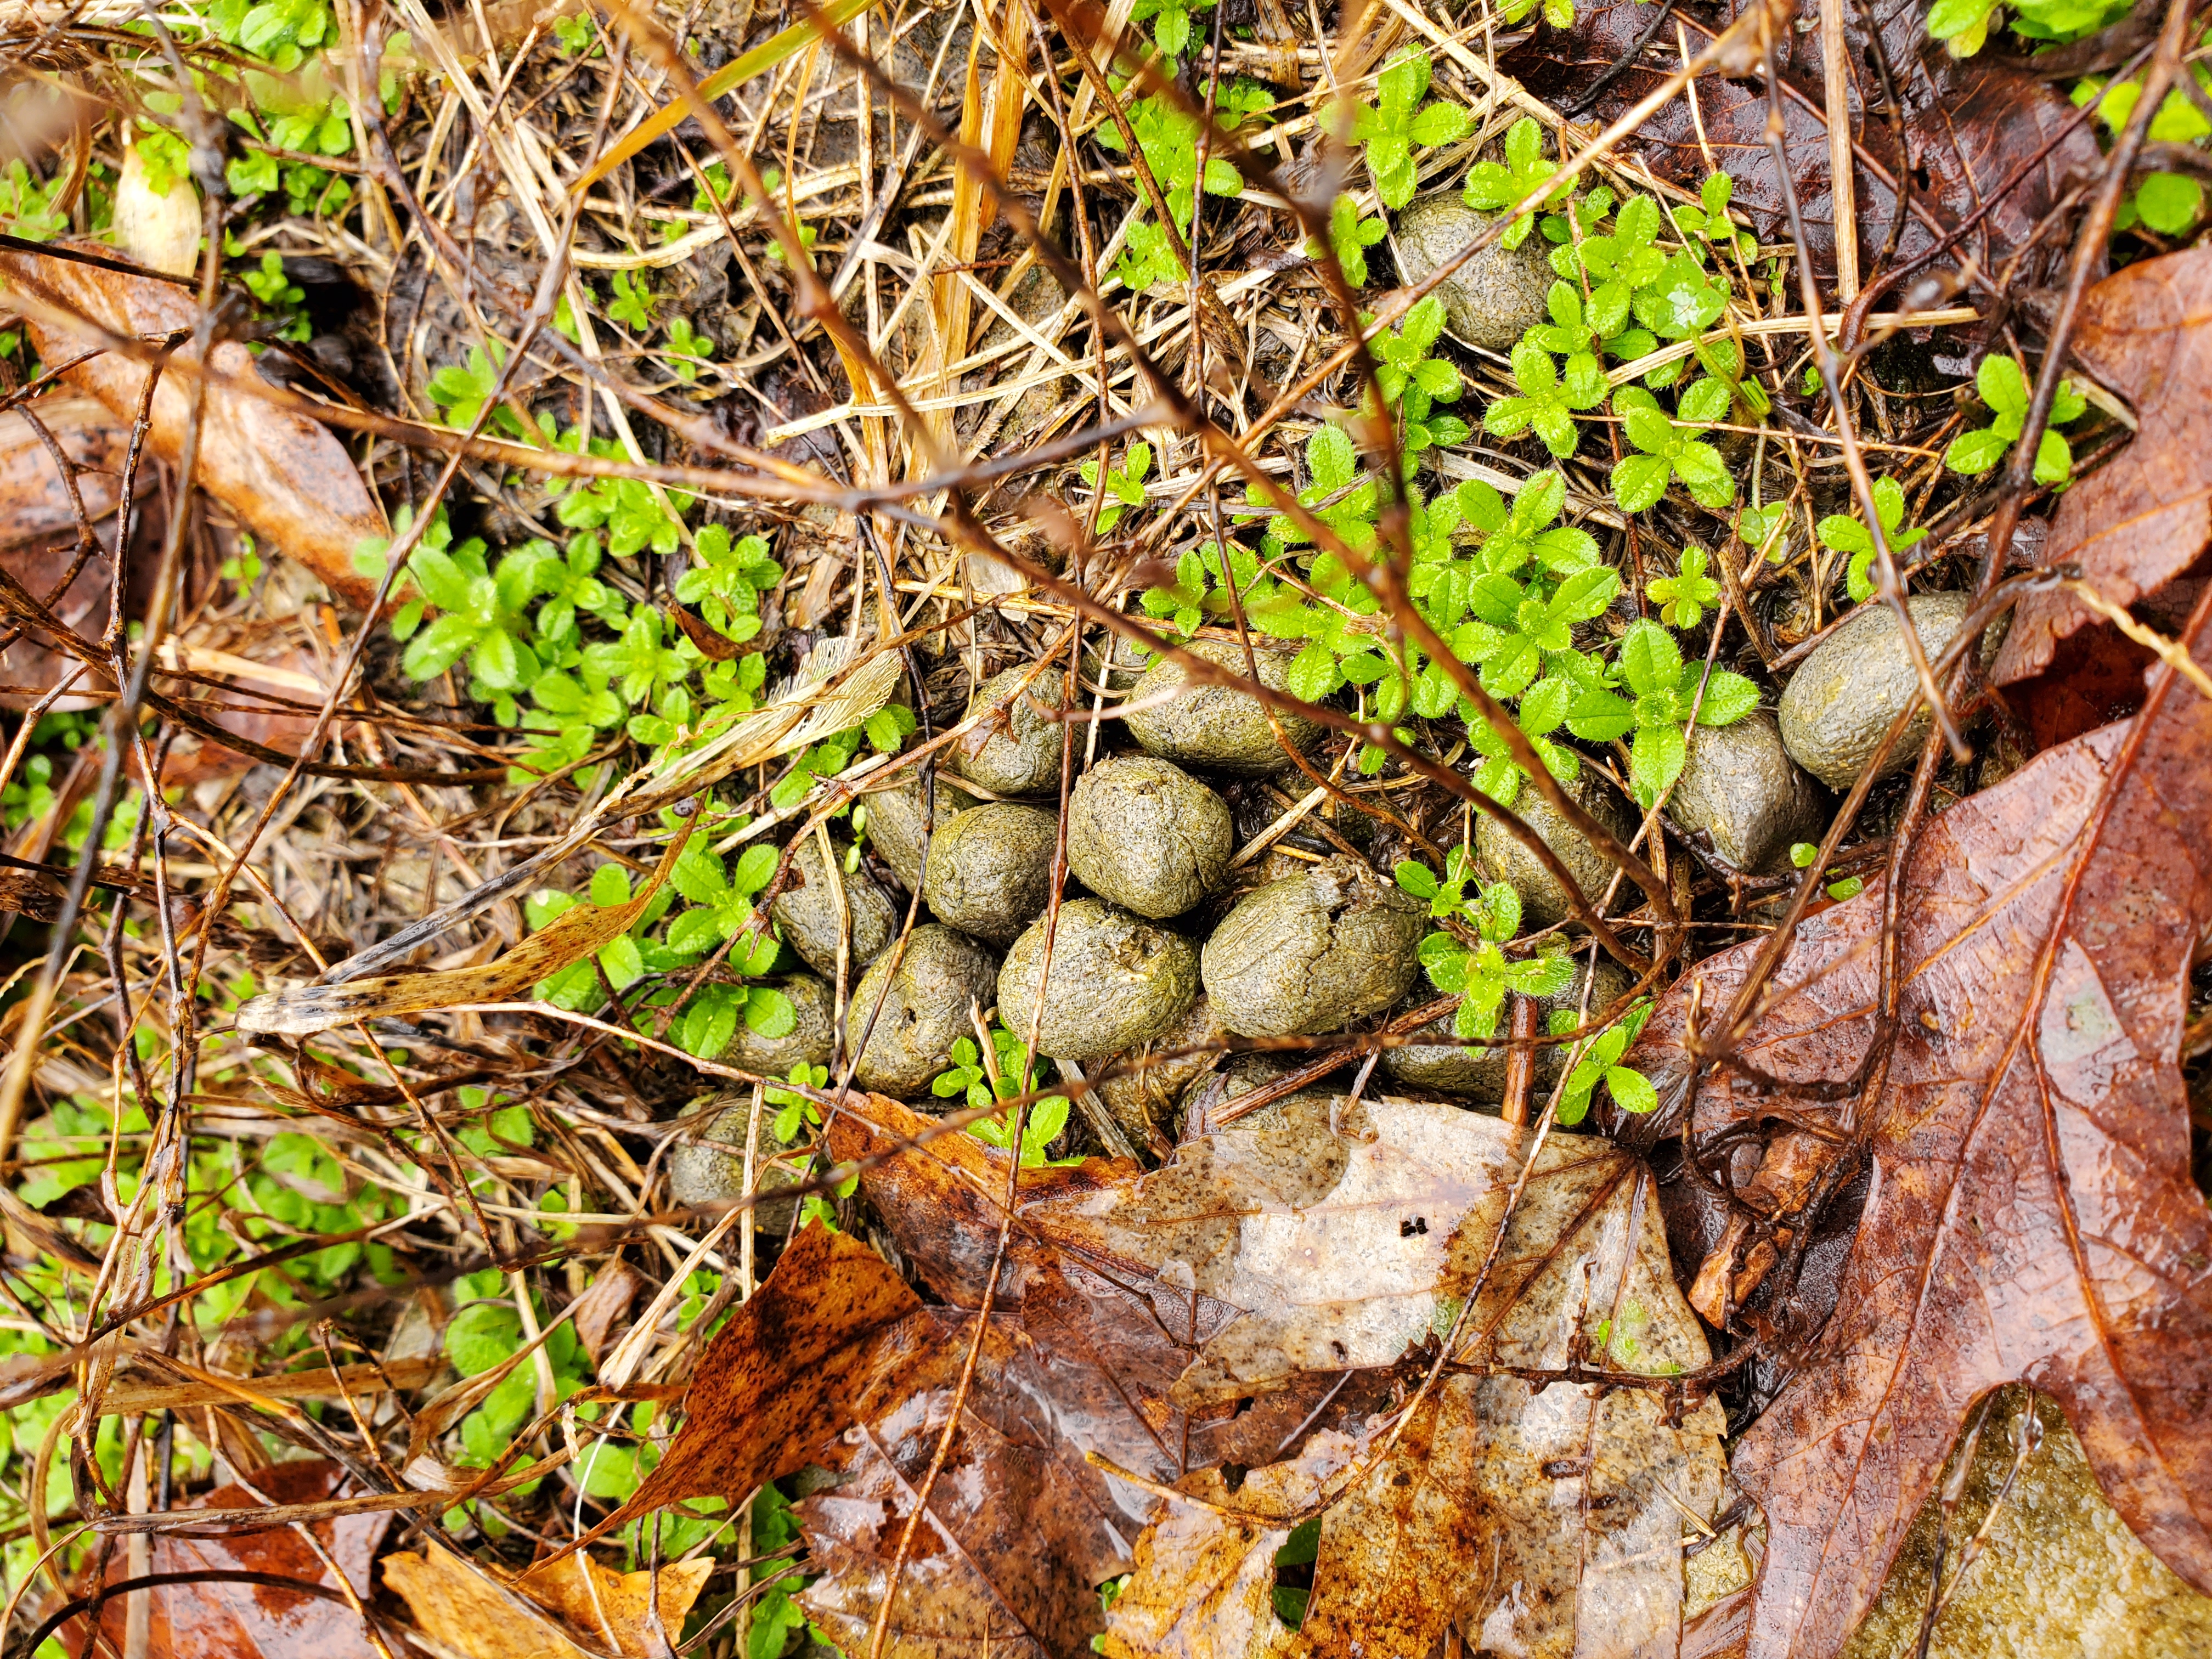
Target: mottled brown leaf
[
  {"x": 38, "y": 526},
  {"x": 2142, "y": 518},
  {"x": 1019, "y": 1533},
  {"x": 2032, "y": 1216},
  {"x": 1203, "y": 1583},
  {"x": 788, "y": 1371},
  {"x": 287, "y": 478},
  {"x": 471, "y": 1611},
  {"x": 256, "y": 1621},
  {"x": 1539, "y": 1521}
]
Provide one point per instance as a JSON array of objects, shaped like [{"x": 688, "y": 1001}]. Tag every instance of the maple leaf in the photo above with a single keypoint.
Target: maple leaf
[
  {"x": 2030, "y": 1216},
  {"x": 2140, "y": 521}
]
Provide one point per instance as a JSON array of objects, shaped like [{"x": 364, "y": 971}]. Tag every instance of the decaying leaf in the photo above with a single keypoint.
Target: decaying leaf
[
  {"x": 1020, "y": 1530},
  {"x": 287, "y": 478},
  {"x": 466, "y": 1609},
  {"x": 38, "y": 526},
  {"x": 1203, "y": 1584},
  {"x": 1319, "y": 1238},
  {"x": 305, "y": 1009},
  {"x": 788, "y": 1372},
  {"x": 256, "y": 1621},
  {"x": 1536, "y": 1520},
  {"x": 2032, "y": 1216},
  {"x": 1971, "y": 124},
  {"x": 2140, "y": 519}
]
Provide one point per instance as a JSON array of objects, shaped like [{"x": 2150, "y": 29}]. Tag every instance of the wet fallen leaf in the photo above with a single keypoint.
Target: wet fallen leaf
[
  {"x": 40, "y": 527},
  {"x": 287, "y": 478},
  {"x": 789, "y": 1371},
  {"x": 1203, "y": 1583},
  {"x": 471, "y": 1611},
  {"x": 1536, "y": 1520},
  {"x": 2032, "y": 1215},
  {"x": 1971, "y": 124},
  {"x": 2142, "y": 518},
  {"x": 304, "y": 1010},
  {"x": 257, "y": 1621},
  {"x": 1019, "y": 1533}
]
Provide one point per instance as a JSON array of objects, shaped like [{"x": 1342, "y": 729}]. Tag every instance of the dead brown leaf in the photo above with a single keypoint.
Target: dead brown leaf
[
  {"x": 256, "y": 1621},
  {"x": 38, "y": 527},
  {"x": 473, "y": 1612},
  {"x": 789, "y": 1371},
  {"x": 2140, "y": 519},
  {"x": 1533, "y": 1519},
  {"x": 287, "y": 478},
  {"x": 1019, "y": 1533},
  {"x": 2032, "y": 1215}
]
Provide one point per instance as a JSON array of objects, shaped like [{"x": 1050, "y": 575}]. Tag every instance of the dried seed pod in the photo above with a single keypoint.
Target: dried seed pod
[
  {"x": 1143, "y": 832},
  {"x": 1116, "y": 980}
]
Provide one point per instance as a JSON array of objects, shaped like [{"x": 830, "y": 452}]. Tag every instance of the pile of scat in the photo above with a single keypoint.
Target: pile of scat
[{"x": 1167, "y": 941}]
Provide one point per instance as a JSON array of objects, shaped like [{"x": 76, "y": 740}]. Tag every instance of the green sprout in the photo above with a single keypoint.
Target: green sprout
[
  {"x": 1849, "y": 535},
  {"x": 2004, "y": 389}
]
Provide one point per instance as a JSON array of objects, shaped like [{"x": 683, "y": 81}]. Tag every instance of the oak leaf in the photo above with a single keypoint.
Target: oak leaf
[
  {"x": 2142, "y": 518},
  {"x": 2030, "y": 1216}
]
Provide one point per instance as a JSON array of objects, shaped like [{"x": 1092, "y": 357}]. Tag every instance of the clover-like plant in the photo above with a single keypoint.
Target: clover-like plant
[
  {"x": 1549, "y": 401},
  {"x": 2004, "y": 389},
  {"x": 1479, "y": 972},
  {"x": 1601, "y": 1063},
  {"x": 1684, "y": 596},
  {"x": 1844, "y": 534},
  {"x": 1398, "y": 123},
  {"x": 1125, "y": 483},
  {"x": 1671, "y": 448},
  {"x": 726, "y": 577},
  {"x": 1493, "y": 186},
  {"x": 1665, "y": 688}
]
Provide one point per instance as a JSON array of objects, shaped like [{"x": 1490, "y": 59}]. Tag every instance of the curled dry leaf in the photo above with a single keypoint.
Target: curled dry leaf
[
  {"x": 2032, "y": 1216},
  {"x": 468, "y": 1610},
  {"x": 257, "y": 1621},
  {"x": 305, "y": 1009},
  {"x": 2140, "y": 519},
  {"x": 287, "y": 478}
]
